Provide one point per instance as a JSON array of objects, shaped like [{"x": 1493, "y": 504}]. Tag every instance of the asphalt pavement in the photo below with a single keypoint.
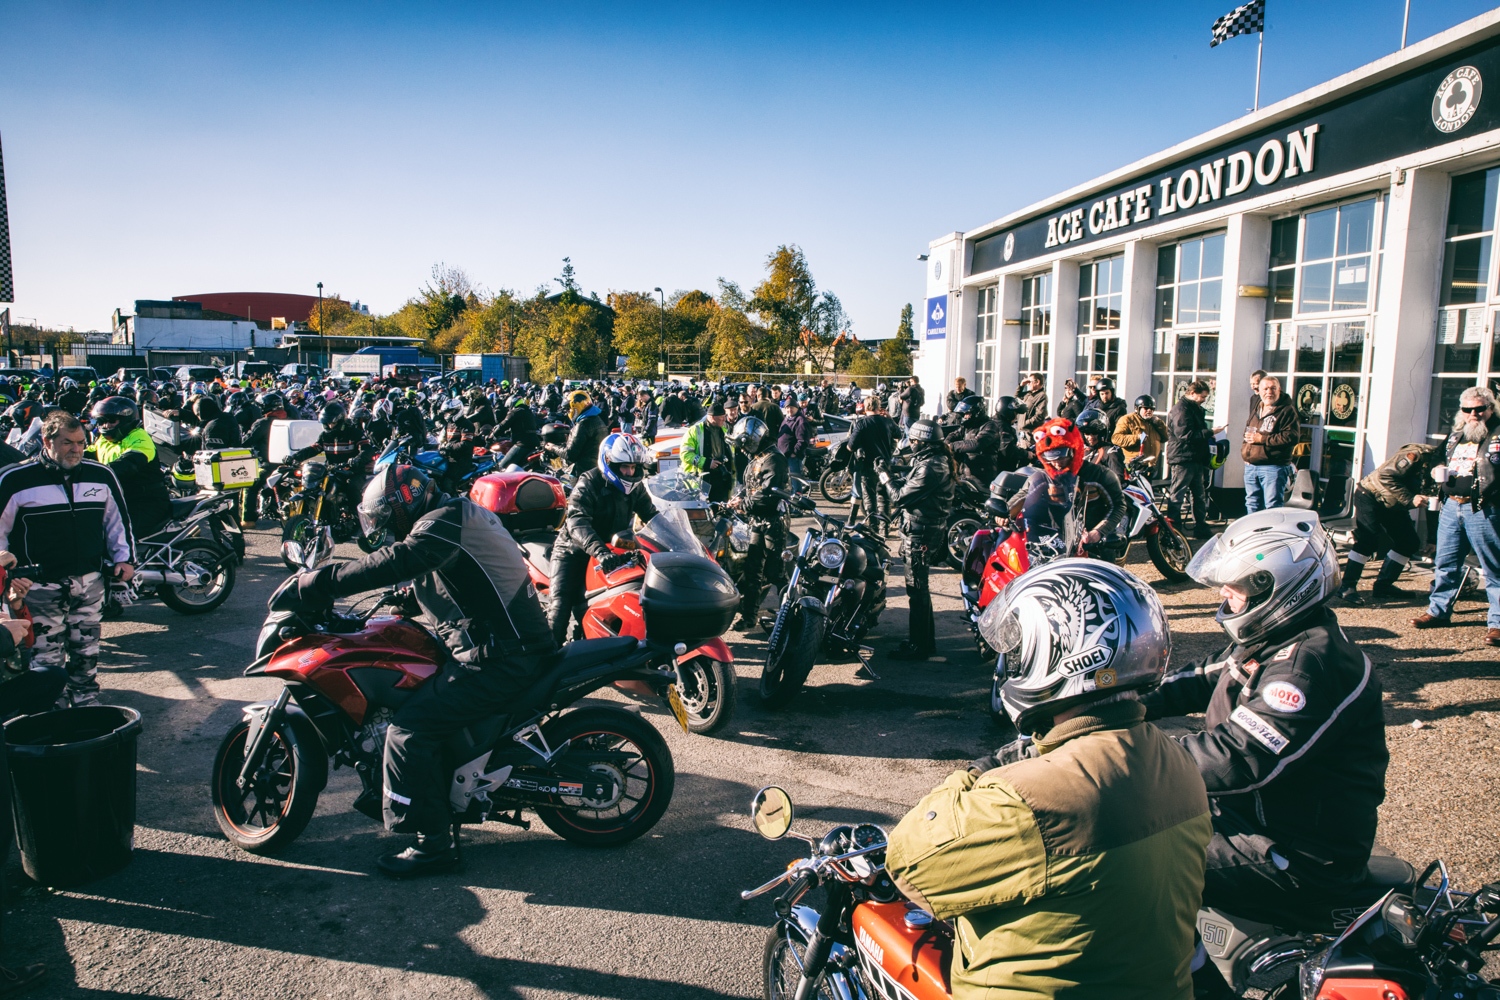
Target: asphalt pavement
[{"x": 532, "y": 916}]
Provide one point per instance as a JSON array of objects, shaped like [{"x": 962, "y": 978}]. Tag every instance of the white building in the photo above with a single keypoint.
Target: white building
[{"x": 1340, "y": 239}]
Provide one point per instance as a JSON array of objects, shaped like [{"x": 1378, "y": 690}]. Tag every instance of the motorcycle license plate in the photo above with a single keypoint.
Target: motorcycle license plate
[{"x": 675, "y": 700}]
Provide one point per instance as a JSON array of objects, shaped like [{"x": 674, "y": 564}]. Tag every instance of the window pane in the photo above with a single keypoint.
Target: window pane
[
  {"x": 1344, "y": 401},
  {"x": 1114, "y": 308},
  {"x": 1164, "y": 299},
  {"x": 1284, "y": 242},
  {"x": 1208, "y": 301},
  {"x": 1471, "y": 205},
  {"x": 1208, "y": 353},
  {"x": 1460, "y": 333},
  {"x": 1281, "y": 293},
  {"x": 1085, "y": 281},
  {"x": 1312, "y": 340},
  {"x": 1185, "y": 344},
  {"x": 1307, "y": 397},
  {"x": 1213, "y": 256},
  {"x": 1026, "y": 287},
  {"x": 1114, "y": 354},
  {"x": 1351, "y": 287},
  {"x": 1187, "y": 304},
  {"x": 1159, "y": 386},
  {"x": 1317, "y": 241},
  {"x": 1166, "y": 265},
  {"x": 1466, "y": 265},
  {"x": 1347, "y": 346},
  {"x": 1161, "y": 358},
  {"x": 1192, "y": 260},
  {"x": 1279, "y": 340},
  {"x": 1117, "y": 275},
  {"x": 1357, "y": 227},
  {"x": 1445, "y": 393},
  {"x": 1317, "y": 287}
]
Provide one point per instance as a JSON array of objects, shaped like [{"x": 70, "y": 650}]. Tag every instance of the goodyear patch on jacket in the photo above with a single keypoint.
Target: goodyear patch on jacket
[{"x": 1264, "y": 733}]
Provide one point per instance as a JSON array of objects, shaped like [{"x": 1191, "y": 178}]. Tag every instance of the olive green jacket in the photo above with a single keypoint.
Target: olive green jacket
[{"x": 1075, "y": 874}]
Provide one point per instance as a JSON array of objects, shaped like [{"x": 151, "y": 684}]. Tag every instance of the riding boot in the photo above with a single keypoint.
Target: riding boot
[
  {"x": 432, "y": 853},
  {"x": 1353, "y": 568},
  {"x": 1385, "y": 580}
]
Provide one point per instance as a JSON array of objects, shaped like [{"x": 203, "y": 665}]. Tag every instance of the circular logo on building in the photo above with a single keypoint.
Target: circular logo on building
[
  {"x": 1343, "y": 401},
  {"x": 1457, "y": 99},
  {"x": 1010, "y": 244},
  {"x": 1307, "y": 397},
  {"x": 937, "y": 270}
]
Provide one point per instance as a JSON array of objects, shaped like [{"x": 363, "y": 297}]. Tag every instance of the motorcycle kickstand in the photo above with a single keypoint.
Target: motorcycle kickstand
[
  {"x": 458, "y": 844},
  {"x": 513, "y": 819}
]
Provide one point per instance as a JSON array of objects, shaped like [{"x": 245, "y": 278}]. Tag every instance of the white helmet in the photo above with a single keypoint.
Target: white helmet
[
  {"x": 622, "y": 449},
  {"x": 1073, "y": 631},
  {"x": 1282, "y": 559}
]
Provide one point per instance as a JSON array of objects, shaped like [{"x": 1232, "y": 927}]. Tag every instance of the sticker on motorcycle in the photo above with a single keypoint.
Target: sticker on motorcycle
[
  {"x": 1283, "y": 696},
  {"x": 1263, "y": 732}
]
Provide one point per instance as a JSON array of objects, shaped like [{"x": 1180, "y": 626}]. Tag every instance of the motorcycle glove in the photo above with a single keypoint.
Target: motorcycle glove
[
  {"x": 313, "y": 590},
  {"x": 615, "y": 561}
]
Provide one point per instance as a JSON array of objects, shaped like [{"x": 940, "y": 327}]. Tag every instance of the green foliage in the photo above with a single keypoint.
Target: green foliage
[{"x": 801, "y": 322}]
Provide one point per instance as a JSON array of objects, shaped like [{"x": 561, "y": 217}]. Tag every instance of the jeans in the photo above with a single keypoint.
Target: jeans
[
  {"x": 1266, "y": 486},
  {"x": 1461, "y": 530}
]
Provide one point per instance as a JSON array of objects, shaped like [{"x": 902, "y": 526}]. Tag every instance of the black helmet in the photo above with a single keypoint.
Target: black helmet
[
  {"x": 1146, "y": 401},
  {"x": 1092, "y": 423},
  {"x": 333, "y": 413},
  {"x": 555, "y": 433},
  {"x": 1105, "y": 384},
  {"x": 115, "y": 416},
  {"x": 1008, "y": 408},
  {"x": 971, "y": 407},
  {"x": 272, "y": 401},
  {"x": 361, "y": 416},
  {"x": 207, "y": 408},
  {"x": 748, "y": 434},
  {"x": 395, "y": 498},
  {"x": 924, "y": 433}
]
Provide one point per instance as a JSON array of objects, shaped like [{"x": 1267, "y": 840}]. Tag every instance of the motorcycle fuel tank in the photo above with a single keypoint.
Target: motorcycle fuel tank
[
  {"x": 389, "y": 656},
  {"x": 904, "y": 950}
]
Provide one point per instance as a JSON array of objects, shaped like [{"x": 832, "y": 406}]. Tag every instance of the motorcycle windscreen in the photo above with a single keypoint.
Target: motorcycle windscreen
[{"x": 671, "y": 531}]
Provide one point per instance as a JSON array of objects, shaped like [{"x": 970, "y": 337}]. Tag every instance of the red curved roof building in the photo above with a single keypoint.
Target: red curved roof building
[{"x": 259, "y": 306}]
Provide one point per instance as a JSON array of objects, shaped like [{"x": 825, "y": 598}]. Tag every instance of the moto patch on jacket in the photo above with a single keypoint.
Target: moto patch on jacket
[
  {"x": 1265, "y": 734},
  {"x": 1283, "y": 696}
]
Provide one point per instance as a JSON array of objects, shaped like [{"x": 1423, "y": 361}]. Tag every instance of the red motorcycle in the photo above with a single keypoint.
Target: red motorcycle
[
  {"x": 706, "y": 678},
  {"x": 598, "y": 776}
]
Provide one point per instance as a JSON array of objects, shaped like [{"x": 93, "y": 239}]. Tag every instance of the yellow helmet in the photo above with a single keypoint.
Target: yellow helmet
[{"x": 578, "y": 401}]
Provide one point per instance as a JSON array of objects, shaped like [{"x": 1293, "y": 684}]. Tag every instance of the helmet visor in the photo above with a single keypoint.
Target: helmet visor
[
  {"x": 1214, "y": 567},
  {"x": 1058, "y": 456}
]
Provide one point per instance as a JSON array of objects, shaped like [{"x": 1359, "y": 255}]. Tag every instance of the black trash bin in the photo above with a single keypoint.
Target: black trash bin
[{"x": 73, "y": 791}]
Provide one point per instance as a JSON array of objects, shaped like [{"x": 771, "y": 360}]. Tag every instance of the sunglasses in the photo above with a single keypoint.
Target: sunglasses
[{"x": 1474, "y": 409}]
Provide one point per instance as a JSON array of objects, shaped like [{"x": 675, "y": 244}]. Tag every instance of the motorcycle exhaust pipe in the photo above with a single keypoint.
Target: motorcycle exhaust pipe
[{"x": 170, "y": 577}]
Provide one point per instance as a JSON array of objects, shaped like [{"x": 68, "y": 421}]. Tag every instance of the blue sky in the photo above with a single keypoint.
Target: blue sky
[{"x": 154, "y": 150}]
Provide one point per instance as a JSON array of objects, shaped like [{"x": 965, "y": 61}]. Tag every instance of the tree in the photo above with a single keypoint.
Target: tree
[
  {"x": 442, "y": 299},
  {"x": 493, "y": 326},
  {"x": 801, "y": 322},
  {"x": 642, "y": 326},
  {"x": 893, "y": 356},
  {"x": 330, "y": 315}
]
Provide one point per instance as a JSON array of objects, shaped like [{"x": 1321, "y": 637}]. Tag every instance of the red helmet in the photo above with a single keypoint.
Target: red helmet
[{"x": 1059, "y": 447}]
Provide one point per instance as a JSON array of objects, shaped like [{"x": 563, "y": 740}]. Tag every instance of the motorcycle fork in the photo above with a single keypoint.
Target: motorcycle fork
[
  {"x": 815, "y": 959},
  {"x": 259, "y": 735}
]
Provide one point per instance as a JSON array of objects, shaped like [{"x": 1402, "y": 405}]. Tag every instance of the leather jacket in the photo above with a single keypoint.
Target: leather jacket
[
  {"x": 926, "y": 498},
  {"x": 596, "y": 510}
]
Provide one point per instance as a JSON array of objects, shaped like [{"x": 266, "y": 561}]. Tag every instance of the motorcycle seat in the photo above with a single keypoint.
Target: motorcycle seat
[
  {"x": 571, "y": 659},
  {"x": 1325, "y": 913},
  {"x": 182, "y": 507}
]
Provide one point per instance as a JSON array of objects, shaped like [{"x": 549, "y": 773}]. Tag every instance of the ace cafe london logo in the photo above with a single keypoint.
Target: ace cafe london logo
[{"x": 1457, "y": 99}]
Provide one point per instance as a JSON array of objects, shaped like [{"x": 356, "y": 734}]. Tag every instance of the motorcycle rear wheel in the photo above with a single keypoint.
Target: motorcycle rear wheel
[
  {"x": 781, "y": 963},
  {"x": 191, "y": 600},
  {"x": 960, "y": 534},
  {"x": 708, "y": 693},
  {"x": 790, "y": 653},
  {"x": 1170, "y": 552},
  {"x": 630, "y": 750},
  {"x": 836, "y": 485},
  {"x": 282, "y": 793}
]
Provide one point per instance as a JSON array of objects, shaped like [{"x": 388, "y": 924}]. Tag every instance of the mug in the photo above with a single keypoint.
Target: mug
[
  {"x": 1434, "y": 503},
  {"x": 1440, "y": 474}
]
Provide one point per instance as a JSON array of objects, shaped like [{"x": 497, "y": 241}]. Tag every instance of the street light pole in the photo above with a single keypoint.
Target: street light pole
[
  {"x": 661, "y": 350},
  {"x": 320, "y": 314}
]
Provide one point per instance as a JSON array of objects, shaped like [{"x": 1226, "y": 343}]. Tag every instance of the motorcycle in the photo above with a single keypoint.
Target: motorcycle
[
  {"x": 1169, "y": 549},
  {"x": 851, "y": 561},
  {"x": 323, "y": 511},
  {"x": 188, "y": 562},
  {"x": 680, "y": 491},
  {"x": 868, "y": 943},
  {"x": 967, "y": 516},
  {"x": 597, "y": 776},
  {"x": 997, "y": 556},
  {"x": 836, "y": 481}
]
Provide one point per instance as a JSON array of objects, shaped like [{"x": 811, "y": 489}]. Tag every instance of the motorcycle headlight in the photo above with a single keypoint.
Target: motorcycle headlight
[
  {"x": 1310, "y": 976},
  {"x": 831, "y": 554}
]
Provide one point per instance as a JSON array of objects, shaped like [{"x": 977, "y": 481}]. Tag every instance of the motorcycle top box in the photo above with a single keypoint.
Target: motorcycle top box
[
  {"x": 524, "y": 501},
  {"x": 686, "y": 598}
]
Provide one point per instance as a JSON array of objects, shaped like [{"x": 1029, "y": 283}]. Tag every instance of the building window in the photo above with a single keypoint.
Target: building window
[
  {"x": 1320, "y": 314},
  {"x": 1101, "y": 300},
  {"x": 986, "y": 340},
  {"x": 1189, "y": 296},
  {"x": 1036, "y": 323},
  {"x": 1468, "y": 335}
]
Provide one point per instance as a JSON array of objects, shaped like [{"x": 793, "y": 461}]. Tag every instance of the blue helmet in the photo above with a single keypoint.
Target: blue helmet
[{"x": 623, "y": 449}]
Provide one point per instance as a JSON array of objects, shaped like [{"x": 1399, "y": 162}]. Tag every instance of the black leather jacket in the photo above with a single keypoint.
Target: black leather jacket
[
  {"x": 766, "y": 471},
  {"x": 926, "y": 498},
  {"x": 596, "y": 510},
  {"x": 1486, "y": 465},
  {"x": 978, "y": 447},
  {"x": 584, "y": 441},
  {"x": 872, "y": 439},
  {"x": 519, "y": 424}
]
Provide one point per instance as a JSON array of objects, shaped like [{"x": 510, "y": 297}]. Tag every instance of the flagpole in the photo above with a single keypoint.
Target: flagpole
[
  {"x": 1405, "y": 20},
  {"x": 1260, "y": 47}
]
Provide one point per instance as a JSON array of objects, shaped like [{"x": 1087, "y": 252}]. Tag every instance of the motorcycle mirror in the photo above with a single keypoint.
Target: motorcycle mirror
[
  {"x": 771, "y": 811},
  {"x": 294, "y": 552},
  {"x": 624, "y": 540}
]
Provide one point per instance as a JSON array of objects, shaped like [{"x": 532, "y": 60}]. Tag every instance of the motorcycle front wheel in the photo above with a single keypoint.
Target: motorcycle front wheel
[
  {"x": 633, "y": 754},
  {"x": 278, "y": 801},
  {"x": 192, "y": 599},
  {"x": 373, "y": 543},
  {"x": 1170, "y": 551},
  {"x": 794, "y": 643},
  {"x": 708, "y": 693},
  {"x": 781, "y": 963},
  {"x": 836, "y": 485}
]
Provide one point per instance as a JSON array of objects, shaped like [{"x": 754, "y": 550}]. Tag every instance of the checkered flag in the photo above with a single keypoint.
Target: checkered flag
[
  {"x": 7, "y": 290},
  {"x": 1246, "y": 19}
]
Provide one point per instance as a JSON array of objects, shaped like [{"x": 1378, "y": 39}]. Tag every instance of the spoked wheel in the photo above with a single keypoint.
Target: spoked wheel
[
  {"x": 197, "y": 598},
  {"x": 1170, "y": 551},
  {"x": 633, "y": 755},
  {"x": 837, "y": 486},
  {"x": 279, "y": 799},
  {"x": 782, "y": 963},
  {"x": 708, "y": 693},
  {"x": 960, "y": 534},
  {"x": 373, "y": 543},
  {"x": 790, "y": 654}
]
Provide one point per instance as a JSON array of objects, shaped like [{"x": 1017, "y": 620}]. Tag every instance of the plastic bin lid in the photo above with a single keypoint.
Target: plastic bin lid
[{"x": 71, "y": 730}]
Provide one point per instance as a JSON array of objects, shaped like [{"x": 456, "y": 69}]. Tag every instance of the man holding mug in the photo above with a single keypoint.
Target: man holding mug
[{"x": 1383, "y": 502}]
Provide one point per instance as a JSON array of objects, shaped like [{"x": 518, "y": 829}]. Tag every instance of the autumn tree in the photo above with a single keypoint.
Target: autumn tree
[
  {"x": 893, "y": 356},
  {"x": 801, "y": 321}
]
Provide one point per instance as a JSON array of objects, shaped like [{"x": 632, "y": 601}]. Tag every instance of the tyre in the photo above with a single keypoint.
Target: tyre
[
  {"x": 781, "y": 963},
  {"x": 282, "y": 793},
  {"x": 997, "y": 707},
  {"x": 372, "y": 543},
  {"x": 189, "y": 599},
  {"x": 297, "y": 528},
  {"x": 837, "y": 486},
  {"x": 708, "y": 693},
  {"x": 1170, "y": 551},
  {"x": 790, "y": 653},
  {"x": 960, "y": 534},
  {"x": 633, "y": 753}
]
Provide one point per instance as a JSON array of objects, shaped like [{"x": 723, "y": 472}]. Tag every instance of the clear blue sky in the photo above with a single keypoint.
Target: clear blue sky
[{"x": 154, "y": 150}]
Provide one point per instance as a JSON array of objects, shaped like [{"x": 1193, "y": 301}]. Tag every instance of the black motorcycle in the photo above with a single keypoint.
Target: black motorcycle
[
  {"x": 833, "y": 598},
  {"x": 967, "y": 516}
]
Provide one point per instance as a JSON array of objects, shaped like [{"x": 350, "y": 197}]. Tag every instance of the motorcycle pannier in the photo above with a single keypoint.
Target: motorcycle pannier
[
  {"x": 686, "y": 598},
  {"x": 229, "y": 469}
]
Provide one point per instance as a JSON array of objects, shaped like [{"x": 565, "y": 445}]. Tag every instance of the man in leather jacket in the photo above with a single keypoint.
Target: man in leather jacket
[
  {"x": 1383, "y": 502},
  {"x": 582, "y": 449},
  {"x": 469, "y": 579},
  {"x": 1293, "y": 746},
  {"x": 976, "y": 443},
  {"x": 599, "y": 506},
  {"x": 1052, "y": 492},
  {"x": 766, "y": 470},
  {"x": 924, "y": 501},
  {"x": 1036, "y": 403},
  {"x": 873, "y": 438},
  {"x": 519, "y": 426}
]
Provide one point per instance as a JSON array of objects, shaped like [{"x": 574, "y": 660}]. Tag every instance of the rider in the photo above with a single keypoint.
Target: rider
[
  {"x": 470, "y": 580},
  {"x": 519, "y": 426},
  {"x": 767, "y": 470},
  {"x": 1071, "y": 863},
  {"x": 128, "y": 450},
  {"x": 589, "y": 430},
  {"x": 1293, "y": 746},
  {"x": 1097, "y": 447},
  {"x": 1053, "y": 491},
  {"x": 976, "y": 440},
  {"x": 705, "y": 453},
  {"x": 601, "y": 504},
  {"x": 924, "y": 502},
  {"x": 872, "y": 438}
]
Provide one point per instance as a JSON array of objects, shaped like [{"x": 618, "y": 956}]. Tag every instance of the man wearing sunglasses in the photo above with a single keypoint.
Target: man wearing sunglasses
[{"x": 1470, "y": 517}]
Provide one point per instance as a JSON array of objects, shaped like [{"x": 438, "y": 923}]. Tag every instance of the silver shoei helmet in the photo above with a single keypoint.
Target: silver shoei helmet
[
  {"x": 1282, "y": 559},
  {"x": 1074, "y": 631}
]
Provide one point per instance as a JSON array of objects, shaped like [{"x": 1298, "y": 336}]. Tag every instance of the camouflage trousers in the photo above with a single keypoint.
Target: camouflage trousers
[{"x": 65, "y": 620}]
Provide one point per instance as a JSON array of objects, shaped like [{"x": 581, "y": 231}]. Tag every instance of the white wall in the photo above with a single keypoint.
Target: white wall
[{"x": 196, "y": 334}]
